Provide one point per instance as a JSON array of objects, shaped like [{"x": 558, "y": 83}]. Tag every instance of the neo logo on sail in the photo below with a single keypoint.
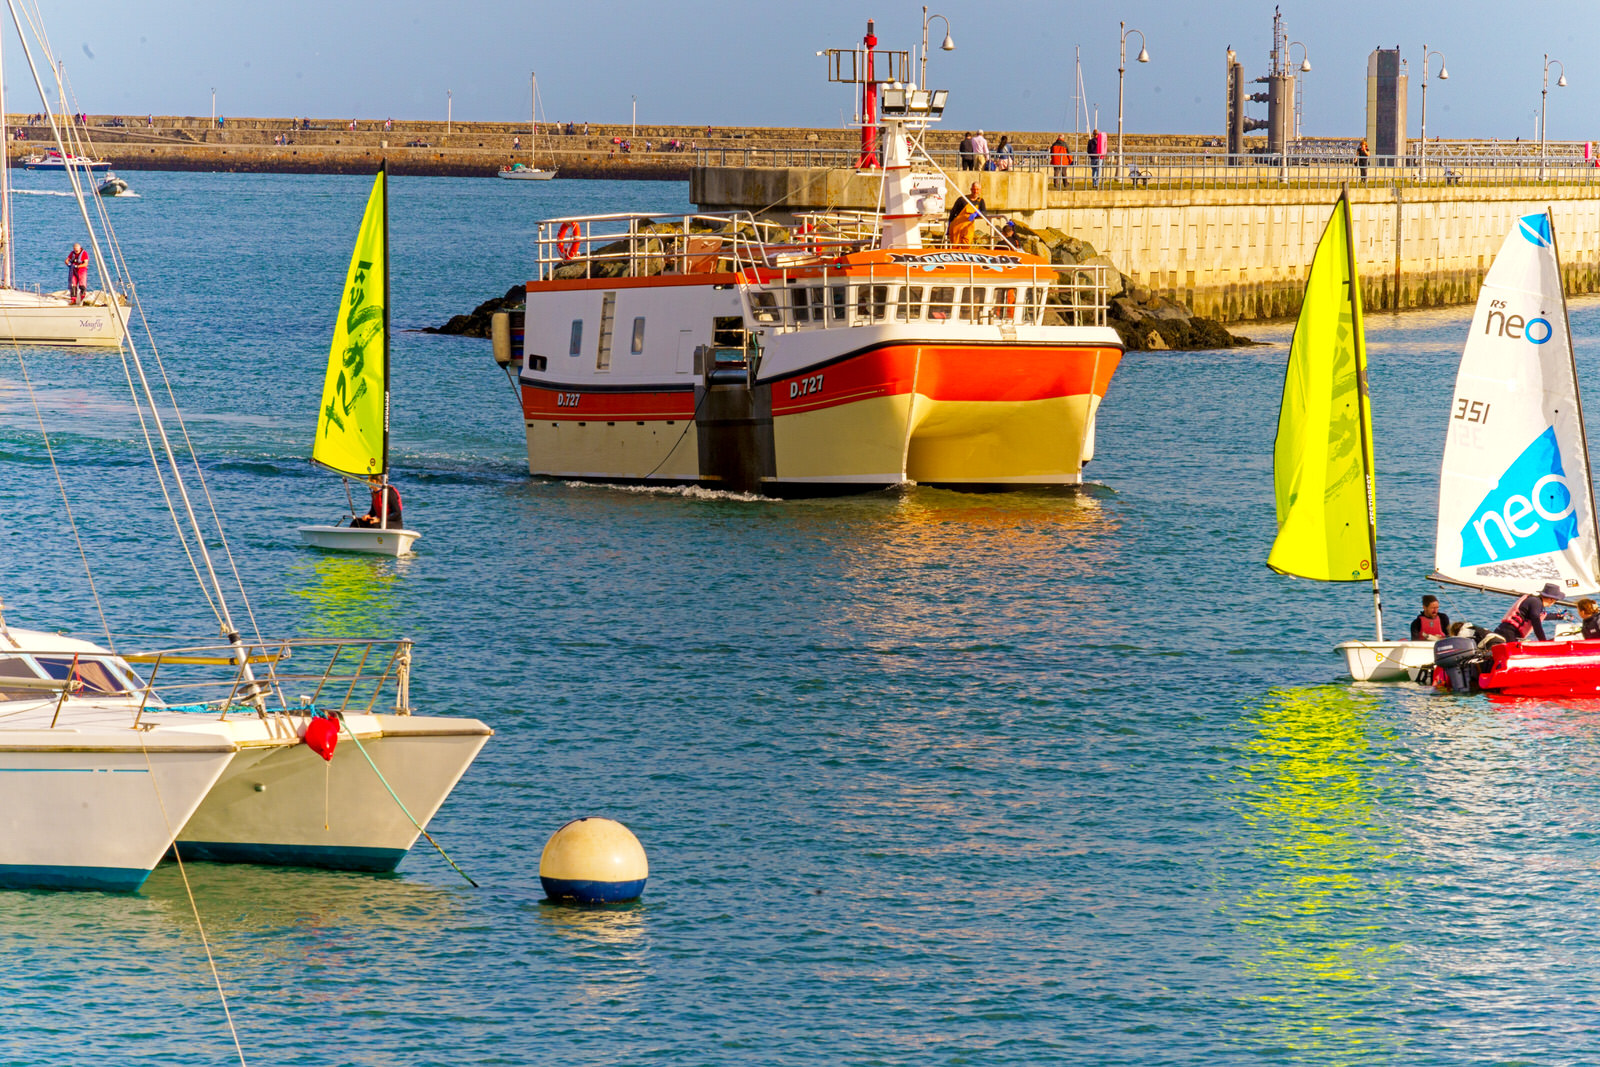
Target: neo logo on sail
[{"x": 1530, "y": 511}]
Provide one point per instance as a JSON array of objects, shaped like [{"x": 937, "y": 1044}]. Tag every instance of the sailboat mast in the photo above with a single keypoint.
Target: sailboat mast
[
  {"x": 1361, "y": 408},
  {"x": 1572, "y": 354},
  {"x": 5, "y": 188},
  {"x": 533, "y": 137},
  {"x": 383, "y": 169}
]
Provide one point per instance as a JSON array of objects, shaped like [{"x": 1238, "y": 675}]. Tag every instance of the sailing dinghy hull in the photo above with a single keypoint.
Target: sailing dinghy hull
[
  {"x": 364, "y": 539},
  {"x": 1385, "y": 661},
  {"x": 1546, "y": 669}
]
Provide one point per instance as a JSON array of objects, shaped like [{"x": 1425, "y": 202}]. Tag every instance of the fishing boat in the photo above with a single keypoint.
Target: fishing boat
[
  {"x": 815, "y": 354},
  {"x": 530, "y": 171},
  {"x": 31, "y": 316},
  {"x": 1323, "y": 462},
  {"x": 352, "y": 436},
  {"x": 1516, "y": 502}
]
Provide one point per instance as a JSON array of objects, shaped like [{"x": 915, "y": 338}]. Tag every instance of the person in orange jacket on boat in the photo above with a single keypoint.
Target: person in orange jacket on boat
[
  {"x": 964, "y": 214},
  {"x": 78, "y": 274},
  {"x": 1527, "y": 615},
  {"x": 375, "y": 516},
  {"x": 1432, "y": 624}
]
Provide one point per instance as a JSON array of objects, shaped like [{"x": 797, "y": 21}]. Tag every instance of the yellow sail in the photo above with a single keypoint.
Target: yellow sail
[
  {"x": 353, "y": 421},
  {"x": 1322, "y": 468}
]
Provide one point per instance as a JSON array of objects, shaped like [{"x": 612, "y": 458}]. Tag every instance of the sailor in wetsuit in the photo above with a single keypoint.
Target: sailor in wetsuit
[
  {"x": 1589, "y": 611},
  {"x": 1432, "y": 624},
  {"x": 1527, "y": 615}
]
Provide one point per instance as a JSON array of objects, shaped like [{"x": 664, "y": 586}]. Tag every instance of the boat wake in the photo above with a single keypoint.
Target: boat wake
[
  {"x": 688, "y": 492},
  {"x": 39, "y": 192}
]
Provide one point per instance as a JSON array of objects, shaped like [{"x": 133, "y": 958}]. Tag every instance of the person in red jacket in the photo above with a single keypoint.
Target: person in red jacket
[
  {"x": 375, "y": 515},
  {"x": 1527, "y": 615},
  {"x": 78, "y": 274}
]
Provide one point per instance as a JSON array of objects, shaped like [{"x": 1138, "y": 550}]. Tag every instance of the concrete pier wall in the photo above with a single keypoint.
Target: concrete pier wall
[{"x": 1241, "y": 254}]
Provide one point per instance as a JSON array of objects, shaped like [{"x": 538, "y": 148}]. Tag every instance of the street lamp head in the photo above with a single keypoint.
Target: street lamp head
[
  {"x": 1305, "y": 66},
  {"x": 1562, "y": 81},
  {"x": 949, "y": 43},
  {"x": 1444, "y": 74},
  {"x": 1144, "y": 55}
]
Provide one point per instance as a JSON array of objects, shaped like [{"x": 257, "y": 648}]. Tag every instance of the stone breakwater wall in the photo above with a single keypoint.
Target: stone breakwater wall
[
  {"x": 1237, "y": 255},
  {"x": 461, "y": 149}
]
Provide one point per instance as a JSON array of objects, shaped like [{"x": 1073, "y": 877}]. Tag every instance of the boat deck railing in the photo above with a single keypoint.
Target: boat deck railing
[
  {"x": 966, "y": 294},
  {"x": 259, "y": 677}
]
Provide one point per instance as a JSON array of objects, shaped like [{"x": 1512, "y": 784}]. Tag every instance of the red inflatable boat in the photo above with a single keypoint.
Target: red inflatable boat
[{"x": 1544, "y": 669}]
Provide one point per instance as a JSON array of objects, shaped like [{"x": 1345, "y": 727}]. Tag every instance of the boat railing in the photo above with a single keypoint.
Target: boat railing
[
  {"x": 966, "y": 294},
  {"x": 640, "y": 245},
  {"x": 291, "y": 674}
]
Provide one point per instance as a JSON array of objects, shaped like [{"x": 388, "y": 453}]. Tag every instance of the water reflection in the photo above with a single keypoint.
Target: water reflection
[
  {"x": 1312, "y": 795},
  {"x": 347, "y": 595}
]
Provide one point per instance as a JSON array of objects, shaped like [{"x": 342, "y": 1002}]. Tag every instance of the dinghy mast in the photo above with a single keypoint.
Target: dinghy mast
[{"x": 1363, "y": 415}]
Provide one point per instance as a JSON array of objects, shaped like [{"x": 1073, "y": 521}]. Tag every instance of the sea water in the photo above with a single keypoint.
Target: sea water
[{"x": 924, "y": 777}]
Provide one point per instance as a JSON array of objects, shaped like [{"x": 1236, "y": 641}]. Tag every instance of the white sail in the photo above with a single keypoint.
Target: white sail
[{"x": 1515, "y": 505}]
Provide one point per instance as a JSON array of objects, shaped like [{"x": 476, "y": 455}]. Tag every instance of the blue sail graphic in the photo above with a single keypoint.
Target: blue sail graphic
[{"x": 1529, "y": 512}]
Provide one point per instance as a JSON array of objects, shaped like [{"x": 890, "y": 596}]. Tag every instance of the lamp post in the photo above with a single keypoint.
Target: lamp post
[
  {"x": 1122, "y": 67},
  {"x": 449, "y": 109},
  {"x": 1544, "y": 93},
  {"x": 948, "y": 46},
  {"x": 634, "y": 136},
  {"x": 1305, "y": 68},
  {"x": 213, "y": 107},
  {"x": 1444, "y": 75}
]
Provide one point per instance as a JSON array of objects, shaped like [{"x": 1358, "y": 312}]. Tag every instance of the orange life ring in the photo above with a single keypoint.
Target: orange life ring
[{"x": 567, "y": 240}]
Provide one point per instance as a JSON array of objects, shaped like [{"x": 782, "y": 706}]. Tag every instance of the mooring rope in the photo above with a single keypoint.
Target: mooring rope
[{"x": 398, "y": 801}]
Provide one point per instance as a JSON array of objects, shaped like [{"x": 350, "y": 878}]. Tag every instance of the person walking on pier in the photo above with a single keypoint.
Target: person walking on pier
[
  {"x": 1362, "y": 155},
  {"x": 77, "y": 274},
  {"x": 980, "y": 151},
  {"x": 966, "y": 151},
  {"x": 1095, "y": 151},
  {"x": 1060, "y": 160}
]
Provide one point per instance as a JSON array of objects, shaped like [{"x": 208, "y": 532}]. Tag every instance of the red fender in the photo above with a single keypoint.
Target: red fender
[{"x": 322, "y": 734}]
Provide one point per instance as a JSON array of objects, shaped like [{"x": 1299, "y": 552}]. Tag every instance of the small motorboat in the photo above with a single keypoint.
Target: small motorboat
[
  {"x": 112, "y": 185},
  {"x": 1543, "y": 669}
]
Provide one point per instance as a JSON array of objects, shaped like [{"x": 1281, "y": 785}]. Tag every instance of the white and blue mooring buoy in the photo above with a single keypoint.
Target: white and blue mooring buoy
[{"x": 593, "y": 861}]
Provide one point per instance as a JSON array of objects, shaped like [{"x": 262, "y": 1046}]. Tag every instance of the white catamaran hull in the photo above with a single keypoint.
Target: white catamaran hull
[
  {"x": 92, "y": 809},
  {"x": 367, "y": 539},
  {"x": 47, "y": 319},
  {"x": 286, "y": 805},
  {"x": 1385, "y": 661}
]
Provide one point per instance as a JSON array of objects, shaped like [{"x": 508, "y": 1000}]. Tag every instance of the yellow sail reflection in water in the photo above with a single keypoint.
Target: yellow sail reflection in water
[
  {"x": 1319, "y": 467},
  {"x": 348, "y": 596},
  {"x": 1313, "y": 798},
  {"x": 353, "y": 421}
]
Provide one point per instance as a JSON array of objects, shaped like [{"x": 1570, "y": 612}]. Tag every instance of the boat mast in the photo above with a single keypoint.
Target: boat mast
[
  {"x": 5, "y": 189},
  {"x": 1572, "y": 355},
  {"x": 1361, "y": 406},
  {"x": 533, "y": 137},
  {"x": 383, "y": 170}
]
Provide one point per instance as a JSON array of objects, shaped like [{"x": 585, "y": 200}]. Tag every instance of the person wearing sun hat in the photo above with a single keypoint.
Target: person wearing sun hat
[{"x": 1527, "y": 615}]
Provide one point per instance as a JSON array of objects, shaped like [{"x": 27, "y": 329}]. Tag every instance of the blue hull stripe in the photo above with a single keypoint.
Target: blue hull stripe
[
  {"x": 53, "y": 876},
  {"x": 331, "y": 857},
  {"x": 579, "y": 889}
]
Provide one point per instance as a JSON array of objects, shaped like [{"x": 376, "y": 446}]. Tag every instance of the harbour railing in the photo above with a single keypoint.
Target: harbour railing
[
  {"x": 291, "y": 674},
  {"x": 1309, "y": 164}
]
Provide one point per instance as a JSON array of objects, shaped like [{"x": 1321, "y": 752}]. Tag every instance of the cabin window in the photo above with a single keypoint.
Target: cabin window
[
  {"x": 95, "y": 675},
  {"x": 1030, "y": 299},
  {"x": 764, "y": 306},
  {"x": 909, "y": 308},
  {"x": 939, "y": 301},
  {"x": 873, "y": 302},
  {"x": 797, "y": 295},
  {"x": 12, "y": 667},
  {"x": 576, "y": 345},
  {"x": 638, "y": 336},
  {"x": 841, "y": 304},
  {"x": 727, "y": 331},
  {"x": 972, "y": 303},
  {"x": 1005, "y": 304}
]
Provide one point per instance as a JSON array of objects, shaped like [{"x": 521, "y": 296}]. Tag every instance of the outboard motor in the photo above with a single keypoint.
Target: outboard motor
[{"x": 1460, "y": 660}]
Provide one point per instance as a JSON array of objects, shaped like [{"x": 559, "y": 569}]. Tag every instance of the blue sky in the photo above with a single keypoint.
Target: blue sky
[{"x": 736, "y": 63}]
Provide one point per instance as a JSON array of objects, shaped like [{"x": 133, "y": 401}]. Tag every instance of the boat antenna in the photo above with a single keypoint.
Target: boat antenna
[{"x": 1353, "y": 284}]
